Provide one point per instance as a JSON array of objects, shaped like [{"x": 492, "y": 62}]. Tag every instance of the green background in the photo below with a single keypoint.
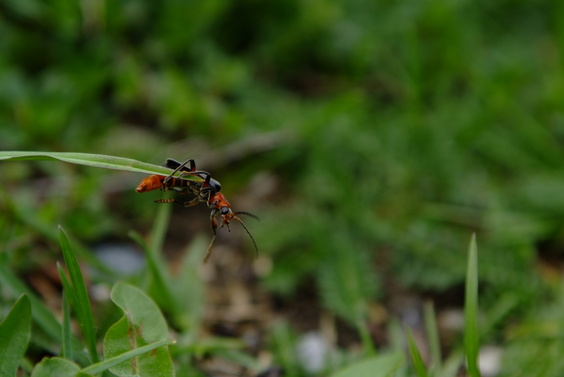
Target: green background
[{"x": 371, "y": 137}]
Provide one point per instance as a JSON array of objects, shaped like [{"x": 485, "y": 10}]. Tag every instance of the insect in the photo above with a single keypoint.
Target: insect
[{"x": 206, "y": 190}]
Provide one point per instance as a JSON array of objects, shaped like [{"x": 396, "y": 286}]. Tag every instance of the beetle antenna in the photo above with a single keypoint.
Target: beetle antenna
[
  {"x": 247, "y": 229},
  {"x": 247, "y": 214}
]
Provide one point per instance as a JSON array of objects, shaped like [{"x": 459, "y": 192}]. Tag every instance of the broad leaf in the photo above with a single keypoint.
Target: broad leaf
[
  {"x": 57, "y": 367},
  {"x": 14, "y": 336},
  {"x": 141, "y": 325}
]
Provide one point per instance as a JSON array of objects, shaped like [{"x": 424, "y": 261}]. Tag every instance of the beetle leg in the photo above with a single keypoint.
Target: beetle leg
[
  {"x": 214, "y": 229},
  {"x": 189, "y": 203},
  {"x": 169, "y": 162}
]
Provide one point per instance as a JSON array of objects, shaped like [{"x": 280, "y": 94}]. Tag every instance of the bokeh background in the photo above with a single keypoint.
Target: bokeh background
[{"x": 372, "y": 138}]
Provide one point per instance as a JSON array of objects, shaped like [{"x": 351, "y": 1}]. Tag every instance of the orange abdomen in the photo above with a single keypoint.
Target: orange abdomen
[{"x": 150, "y": 183}]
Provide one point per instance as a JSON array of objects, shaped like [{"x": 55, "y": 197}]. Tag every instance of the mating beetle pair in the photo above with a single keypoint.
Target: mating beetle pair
[{"x": 204, "y": 187}]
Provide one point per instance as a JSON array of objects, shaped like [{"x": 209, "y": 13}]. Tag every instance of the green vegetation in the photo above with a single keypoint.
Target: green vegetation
[{"x": 372, "y": 138}]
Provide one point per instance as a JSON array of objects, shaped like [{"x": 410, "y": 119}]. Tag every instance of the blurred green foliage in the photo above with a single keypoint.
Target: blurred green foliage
[{"x": 408, "y": 126}]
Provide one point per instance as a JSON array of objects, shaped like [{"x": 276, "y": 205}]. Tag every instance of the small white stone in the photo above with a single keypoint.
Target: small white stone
[
  {"x": 312, "y": 351},
  {"x": 489, "y": 360}
]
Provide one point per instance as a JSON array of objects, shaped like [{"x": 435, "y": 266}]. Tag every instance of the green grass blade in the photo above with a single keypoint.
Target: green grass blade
[
  {"x": 432, "y": 331},
  {"x": 15, "y": 332},
  {"x": 137, "y": 352},
  {"x": 418, "y": 364},
  {"x": 78, "y": 296},
  {"x": 471, "y": 345},
  {"x": 89, "y": 159},
  {"x": 66, "y": 347}
]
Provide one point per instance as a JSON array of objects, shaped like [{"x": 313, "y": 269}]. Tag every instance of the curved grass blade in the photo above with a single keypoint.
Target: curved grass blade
[
  {"x": 471, "y": 342},
  {"x": 14, "y": 336},
  {"x": 91, "y": 159},
  {"x": 78, "y": 295}
]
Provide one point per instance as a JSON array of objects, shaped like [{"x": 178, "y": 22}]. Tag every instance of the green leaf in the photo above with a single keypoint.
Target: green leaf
[
  {"x": 113, "y": 361},
  {"x": 92, "y": 159},
  {"x": 14, "y": 336},
  {"x": 89, "y": 159},
  {"x": 432, "y": 330},
  {"x": 78, "y": 295},
  {"x": 141, "y": 325},
  {"x": 380, "y": 366},
  {"x": 419, "y": 365},
  {"x": 57, "y": 367},
  {"x": 66, "y": 347},
  {"x": 471, "y": 342}
]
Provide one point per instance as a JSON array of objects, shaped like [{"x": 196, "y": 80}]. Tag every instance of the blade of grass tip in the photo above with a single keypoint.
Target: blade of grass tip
[
  {"x": 366, "y": 338},
  {"x": 79, "y": 296},
  {"x": 418, "y": 364},
  {"x": 432, "y": 331},
  {"x": 471, "y": 311}
]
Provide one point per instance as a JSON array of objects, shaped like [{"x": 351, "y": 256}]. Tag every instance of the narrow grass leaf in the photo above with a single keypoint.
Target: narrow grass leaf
[
  {"x": 66, "y": 347},
  {"x": 142, "y": 324},
  {"x": 78, "y": 296},
  {"x": 471, "y": 345},
  {"x": 418, "y": 364},
  {"x": 15, "y": 332},
  {"x": 113, "y": 361},
  {"x": 432, "y": 332},
  {"x": 89, "y": 159},
  {"x": 380, "y": 366}
]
